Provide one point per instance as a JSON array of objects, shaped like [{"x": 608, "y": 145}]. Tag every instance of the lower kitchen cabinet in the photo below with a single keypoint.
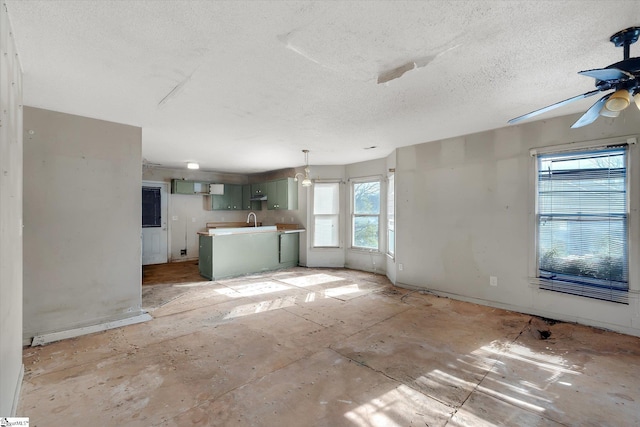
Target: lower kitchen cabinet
[
  {"x": 228, "y": 255},
  {"x": 289, "y": 249},
  {"x": 205, "y": 253}
]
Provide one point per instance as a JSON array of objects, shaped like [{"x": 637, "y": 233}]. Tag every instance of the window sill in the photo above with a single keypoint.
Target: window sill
[
  {"x": 618, "y": 296},
  {"x": 365, "y": 250}
]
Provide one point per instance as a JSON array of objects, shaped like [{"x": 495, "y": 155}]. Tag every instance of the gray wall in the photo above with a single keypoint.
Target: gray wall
[
  {"x": 10, "y": 219},
  {"x": 82, "y": 210},
  {"x": 466, "y": 208}
]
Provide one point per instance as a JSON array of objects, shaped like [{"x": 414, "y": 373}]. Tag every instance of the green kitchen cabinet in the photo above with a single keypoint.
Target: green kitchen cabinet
[
  {"x": 282, "y": 194},
  {"x": 289, "y": 249},
  {"x": 180, "y": 186},
  {"x": 230, "y": 200},
  {"x": 271, "y": 189},
  {"x": 247, "y": 204},
  {"x": 201, "y": 187},
  {"x": 234, "y": 254},
  {"x": 258, "y": 189},
  {"x": 205, "y": 253}
]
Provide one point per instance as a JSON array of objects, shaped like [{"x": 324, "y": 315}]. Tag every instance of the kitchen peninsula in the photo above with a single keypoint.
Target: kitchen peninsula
[{"x": 234, "y": 251}]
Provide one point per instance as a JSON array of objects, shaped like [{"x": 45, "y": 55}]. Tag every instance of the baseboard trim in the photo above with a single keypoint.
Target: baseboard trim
[
  {"x": 528, "y": 310},
  {"x": 72, "y": 333},
  {"x": 16, "y": 395}
]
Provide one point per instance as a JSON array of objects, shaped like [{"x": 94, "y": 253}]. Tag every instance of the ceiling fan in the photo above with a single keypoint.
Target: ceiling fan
[{"x": 622, "y": 77}]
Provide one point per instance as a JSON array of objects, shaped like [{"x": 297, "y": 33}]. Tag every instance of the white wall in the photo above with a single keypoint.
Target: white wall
[
  {"x": 82, "y": 210},
  {"x": 465, "y": 209},
  {"x": 10, "y": 220}
]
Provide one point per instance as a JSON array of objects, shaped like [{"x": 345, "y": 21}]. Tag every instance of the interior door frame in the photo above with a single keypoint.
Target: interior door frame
[{"x": 165, "y": 187}]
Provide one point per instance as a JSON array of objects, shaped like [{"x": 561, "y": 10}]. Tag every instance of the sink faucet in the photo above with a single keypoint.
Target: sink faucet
[{"x": 255, "y": 219}]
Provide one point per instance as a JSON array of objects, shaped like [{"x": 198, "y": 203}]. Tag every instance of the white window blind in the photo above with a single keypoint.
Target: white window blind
[
  {"x": 326, "y": 211},
  {"x": 582, "y": 224}
]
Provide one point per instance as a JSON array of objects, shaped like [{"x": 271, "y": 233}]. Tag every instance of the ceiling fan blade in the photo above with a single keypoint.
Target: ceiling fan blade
[
  {"x": 552, "y": 106},
  {"x": 606, "y": 74},
  {"x": 592, "y": 113}
]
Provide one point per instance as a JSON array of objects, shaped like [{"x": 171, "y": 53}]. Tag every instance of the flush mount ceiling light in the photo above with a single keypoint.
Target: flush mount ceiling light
[
  {"x": 193, "y": 165},
  {"x": 306, "y": 182}
]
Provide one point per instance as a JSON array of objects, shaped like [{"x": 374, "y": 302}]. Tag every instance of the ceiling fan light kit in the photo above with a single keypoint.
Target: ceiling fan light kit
[
  {"x": 618, "y": 101},
  {"x": 622, "y": 77},
  {"x": 608, "y": 113}
]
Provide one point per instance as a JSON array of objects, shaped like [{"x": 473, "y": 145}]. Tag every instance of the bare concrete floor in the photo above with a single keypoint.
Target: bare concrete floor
[{"x": 331, "y": 347}]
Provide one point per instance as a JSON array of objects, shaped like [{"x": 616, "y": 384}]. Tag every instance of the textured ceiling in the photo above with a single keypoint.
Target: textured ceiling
[{"x": 245, "y": 86}]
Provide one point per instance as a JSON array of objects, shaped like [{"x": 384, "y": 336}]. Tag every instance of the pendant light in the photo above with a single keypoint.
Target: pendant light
[{"x": 306, "y": 182}]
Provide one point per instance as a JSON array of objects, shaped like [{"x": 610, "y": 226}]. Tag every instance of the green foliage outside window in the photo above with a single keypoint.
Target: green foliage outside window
[{"x": 366, "y": 208}]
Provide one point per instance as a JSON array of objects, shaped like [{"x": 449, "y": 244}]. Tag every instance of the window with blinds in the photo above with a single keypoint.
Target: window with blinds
[
  {"x": 582, "y": 224},
  {"x": 326, "y": 214}
]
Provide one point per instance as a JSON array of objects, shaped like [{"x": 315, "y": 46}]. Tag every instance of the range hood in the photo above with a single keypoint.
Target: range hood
[{"x": 258, "y": 197}]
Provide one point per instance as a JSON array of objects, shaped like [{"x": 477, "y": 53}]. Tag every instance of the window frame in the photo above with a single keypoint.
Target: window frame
[
  {"x": 379, "y": 215},
  {"x": 391, "y": 215},
  {"x": 338, "y": 183},
  {"x": 577, "y": 147}
]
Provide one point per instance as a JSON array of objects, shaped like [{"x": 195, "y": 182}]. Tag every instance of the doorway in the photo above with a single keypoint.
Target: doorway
[{"x": 154, "y": 223}]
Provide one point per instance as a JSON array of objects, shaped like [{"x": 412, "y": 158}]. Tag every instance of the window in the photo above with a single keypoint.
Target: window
[
  {"x": 391, "y": 216},
  {"x": 582, "y": 224},
  {"x": 151, "y": 214},
  {"x": 366, "y": 215},
  {"x": 326, "y": 214}
]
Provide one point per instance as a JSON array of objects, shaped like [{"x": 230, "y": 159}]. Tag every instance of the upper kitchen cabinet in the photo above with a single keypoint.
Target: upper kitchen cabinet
[
  {"x": 258, "y": 189},
  {"x": 247, "y": 203},
  {"x": 230, "y": 200},
  {"x": 282, "y": 194},
  {"x": 181, "y": 186}
]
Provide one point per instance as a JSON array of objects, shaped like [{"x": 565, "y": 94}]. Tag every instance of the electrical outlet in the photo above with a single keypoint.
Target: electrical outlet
[
  {"x": 400, "y": 267},
  {"x": 183, "y": 252},
  {"x": 175, "y": 217},
  {"x": 493, "y": 281}
]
